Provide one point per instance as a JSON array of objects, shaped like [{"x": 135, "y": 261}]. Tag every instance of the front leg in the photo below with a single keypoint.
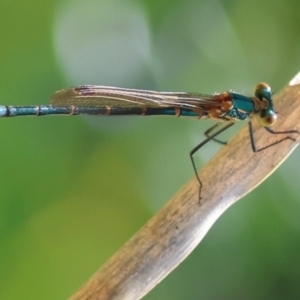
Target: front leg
[{"x": 270, "y": 131}]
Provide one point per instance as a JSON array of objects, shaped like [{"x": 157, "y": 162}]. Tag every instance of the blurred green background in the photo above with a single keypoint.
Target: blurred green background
[{"x": 74, "y": 189}]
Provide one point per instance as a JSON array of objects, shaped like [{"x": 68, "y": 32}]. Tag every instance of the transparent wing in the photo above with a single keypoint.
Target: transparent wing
[{"x": 98, "y": 96}]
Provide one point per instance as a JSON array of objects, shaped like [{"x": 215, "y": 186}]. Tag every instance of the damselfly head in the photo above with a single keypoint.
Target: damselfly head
[{"x": 268, "y": 116}]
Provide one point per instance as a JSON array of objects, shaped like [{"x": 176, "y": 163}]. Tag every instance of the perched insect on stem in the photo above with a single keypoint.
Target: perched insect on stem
[{"x": 111, "y": 101}]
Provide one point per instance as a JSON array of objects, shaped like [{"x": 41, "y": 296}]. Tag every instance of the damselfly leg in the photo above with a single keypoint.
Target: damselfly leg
[
  {"x": 209, "y": 130},
  {"x": 225, "y": 127},
  {"x": 254, "y": 148},
  {"x": 194, "y": 150}
]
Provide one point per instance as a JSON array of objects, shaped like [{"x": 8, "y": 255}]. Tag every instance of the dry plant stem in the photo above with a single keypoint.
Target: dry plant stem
[{"x": 181, "y": 224}]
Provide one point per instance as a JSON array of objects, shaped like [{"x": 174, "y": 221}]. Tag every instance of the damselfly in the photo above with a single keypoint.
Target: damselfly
[{"x": 112, "y": 101}]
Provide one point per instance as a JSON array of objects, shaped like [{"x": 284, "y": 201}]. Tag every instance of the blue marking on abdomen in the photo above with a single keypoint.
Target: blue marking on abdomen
[
  {"x": 183, "y": 112},
  {"x": 190, "y": 113}
]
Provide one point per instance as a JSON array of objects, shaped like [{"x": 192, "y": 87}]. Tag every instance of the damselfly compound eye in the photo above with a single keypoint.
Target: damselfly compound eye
[
  {"x": 262, "y": 90},
  {"x": 267, "y": 117}
]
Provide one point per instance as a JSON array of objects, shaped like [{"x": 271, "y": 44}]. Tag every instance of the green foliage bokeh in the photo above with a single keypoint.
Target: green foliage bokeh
[{"x": 73, "y": 190}]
